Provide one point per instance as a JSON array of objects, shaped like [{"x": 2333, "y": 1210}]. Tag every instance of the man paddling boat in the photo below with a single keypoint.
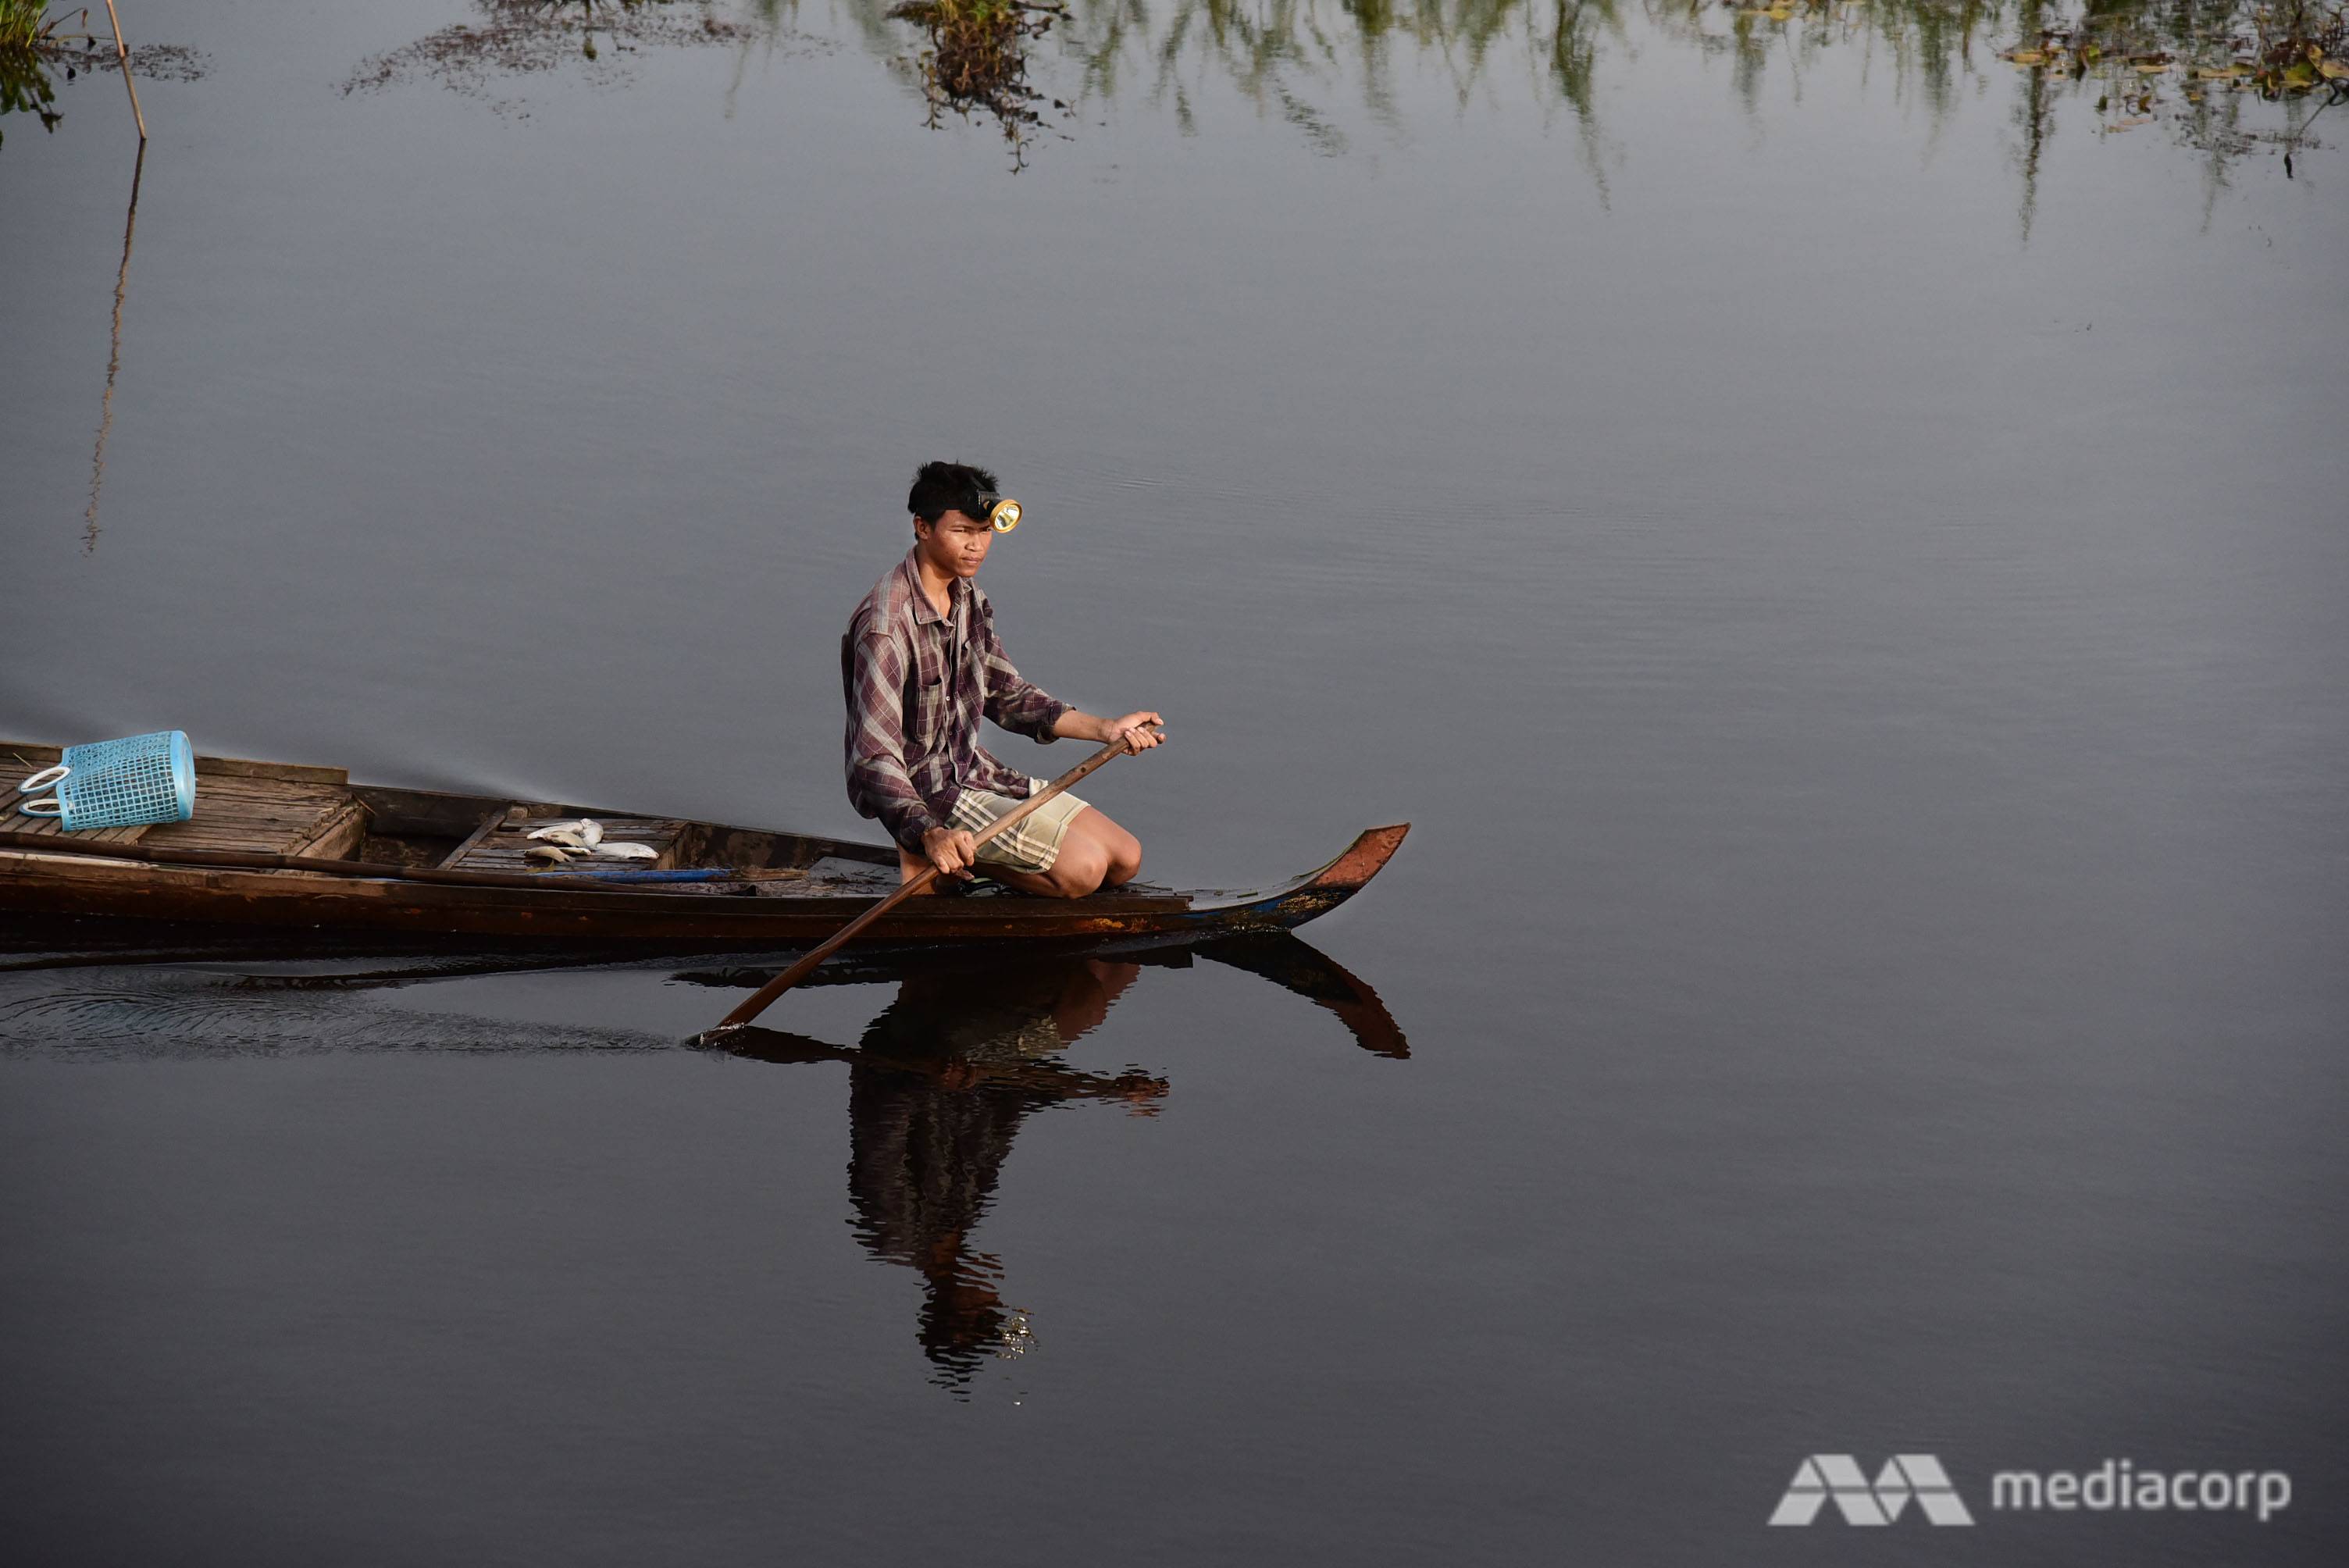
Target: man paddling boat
[{"x": 921, "y": 665}]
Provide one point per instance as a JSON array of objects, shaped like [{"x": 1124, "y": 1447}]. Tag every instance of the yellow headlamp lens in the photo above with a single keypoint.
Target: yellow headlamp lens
[{"x": 1005, "y": 515}]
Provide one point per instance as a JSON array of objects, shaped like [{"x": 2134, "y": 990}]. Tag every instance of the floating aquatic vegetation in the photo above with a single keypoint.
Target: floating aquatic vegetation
[
  {"x": 25, "y": 89},
  {"x": 2194, "y": 69},
  {"x": 977, "y": 57},
  {"x": 25, "y": 23},
  {"x": 522, "y": 37},
  {"x": 39, "y": 49},
  {"x": 31, "y": 41},
  {"x": 2274, "y": 51}
]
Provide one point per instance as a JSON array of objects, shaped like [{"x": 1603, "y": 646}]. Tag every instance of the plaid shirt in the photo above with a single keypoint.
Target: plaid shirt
[{"x": 918, "y": 683}]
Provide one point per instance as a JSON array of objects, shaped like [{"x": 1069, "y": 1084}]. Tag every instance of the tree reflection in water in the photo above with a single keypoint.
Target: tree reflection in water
[
  {"x": 942, "y": 1079},
  {"x": 2224, "y": 76}
]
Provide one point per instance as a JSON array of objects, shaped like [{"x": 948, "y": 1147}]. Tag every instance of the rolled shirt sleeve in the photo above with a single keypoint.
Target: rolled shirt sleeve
[{"x": 877, "y": 779}]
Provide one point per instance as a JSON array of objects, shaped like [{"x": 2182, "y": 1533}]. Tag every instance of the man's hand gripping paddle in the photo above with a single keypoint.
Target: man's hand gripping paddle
[{"x": 766, "y": 993}]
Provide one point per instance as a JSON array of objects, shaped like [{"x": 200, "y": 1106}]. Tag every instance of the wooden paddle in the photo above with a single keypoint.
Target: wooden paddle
[{"x": 765, "y": 996}]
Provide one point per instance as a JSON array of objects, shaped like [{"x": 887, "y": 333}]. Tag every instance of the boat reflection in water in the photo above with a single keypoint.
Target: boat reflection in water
[{"x": 941, "y": 1081}]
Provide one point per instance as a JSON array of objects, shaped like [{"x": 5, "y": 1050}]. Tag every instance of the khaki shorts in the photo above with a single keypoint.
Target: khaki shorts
[{"x": 1034, "y": 843}]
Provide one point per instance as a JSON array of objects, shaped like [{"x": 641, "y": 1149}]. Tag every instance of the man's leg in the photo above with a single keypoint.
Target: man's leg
[
  {"x": 1122, "y": 849},
  {"x": 1096, "y": 853}
]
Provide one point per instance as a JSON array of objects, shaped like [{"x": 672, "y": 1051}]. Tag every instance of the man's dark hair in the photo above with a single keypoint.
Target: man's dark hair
[{"x": 942, "y": 488}]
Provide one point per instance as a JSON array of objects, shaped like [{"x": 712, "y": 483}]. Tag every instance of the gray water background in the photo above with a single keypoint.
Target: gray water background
[{"x": 1868, "y": 682}]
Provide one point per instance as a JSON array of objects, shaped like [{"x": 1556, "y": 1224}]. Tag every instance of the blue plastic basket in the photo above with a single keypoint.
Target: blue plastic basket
[{"x": 123, "y": 783}]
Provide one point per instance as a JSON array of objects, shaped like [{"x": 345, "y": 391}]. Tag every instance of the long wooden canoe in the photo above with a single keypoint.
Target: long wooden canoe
[{"x": 289, "y": 847}]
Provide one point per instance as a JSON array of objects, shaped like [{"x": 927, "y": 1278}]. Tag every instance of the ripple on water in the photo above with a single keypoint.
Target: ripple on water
[{"x": 195, "y": 1013}]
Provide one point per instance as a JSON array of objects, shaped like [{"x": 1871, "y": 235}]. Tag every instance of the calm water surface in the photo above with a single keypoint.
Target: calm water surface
[{"x": 1834, "y": 541}]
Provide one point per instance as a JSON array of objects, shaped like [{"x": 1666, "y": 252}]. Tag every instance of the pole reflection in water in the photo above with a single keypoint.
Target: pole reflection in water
[
  {"x": 113, "y": 358},
  {"x": 941, "y": 1081}
]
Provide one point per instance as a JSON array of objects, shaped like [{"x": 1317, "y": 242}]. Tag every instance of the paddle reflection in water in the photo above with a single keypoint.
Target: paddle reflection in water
[{"x": 942, "y": 1078}]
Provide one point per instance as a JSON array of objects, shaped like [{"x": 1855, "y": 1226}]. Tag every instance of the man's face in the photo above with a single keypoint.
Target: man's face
[{"x": 955, "y": 545}]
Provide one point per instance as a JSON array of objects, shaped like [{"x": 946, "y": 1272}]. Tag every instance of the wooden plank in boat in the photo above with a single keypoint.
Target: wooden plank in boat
[
  {"x": 292, "y": 772},
  {"x": 48, "y": 827},
  {"x": 13, "y": 772},
  {"x": 431, "y": 814},
  {"x": 35, "y": 759},
  {"x": 240, "y": 787},
  {"x": 833, "y": 877},
  {"x": 253, "y": 810},
  {"x": 490, "y": 824},
  {"x": 346, "y": 827}
]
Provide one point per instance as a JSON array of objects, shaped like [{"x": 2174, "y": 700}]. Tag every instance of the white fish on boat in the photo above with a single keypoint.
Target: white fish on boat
[{"x": 561, "y": 842}]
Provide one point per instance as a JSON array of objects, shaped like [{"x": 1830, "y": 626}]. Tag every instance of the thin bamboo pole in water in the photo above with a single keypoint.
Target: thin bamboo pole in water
[{"x": 123, "y": 56}]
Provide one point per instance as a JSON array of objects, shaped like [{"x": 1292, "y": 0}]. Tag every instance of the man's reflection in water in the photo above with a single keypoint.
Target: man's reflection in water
[
  {"x": 941, "y": 1081},
  {"x": 943, "y": 1078},
  {"x": 936, "y": 1087}
]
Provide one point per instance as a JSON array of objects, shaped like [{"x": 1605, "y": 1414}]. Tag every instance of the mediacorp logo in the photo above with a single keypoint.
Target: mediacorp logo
[
  {"x": 2121, "y": 1485},
  {"x": 1838, "y": 1476}
]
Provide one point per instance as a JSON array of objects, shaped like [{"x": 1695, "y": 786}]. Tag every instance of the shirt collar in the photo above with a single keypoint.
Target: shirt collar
[{"x": 924, "y": 612}]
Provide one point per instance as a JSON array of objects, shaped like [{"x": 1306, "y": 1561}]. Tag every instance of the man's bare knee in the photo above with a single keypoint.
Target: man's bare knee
[
  {"x": 1121, "y": 851},
  {"x": 1081, "y": 865}
]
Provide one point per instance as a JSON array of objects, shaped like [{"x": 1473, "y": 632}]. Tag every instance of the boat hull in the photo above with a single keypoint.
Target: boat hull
[{"x": 54, "y": 880}]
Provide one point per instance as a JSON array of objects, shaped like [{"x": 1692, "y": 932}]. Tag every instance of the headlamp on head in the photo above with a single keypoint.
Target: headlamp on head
[{"x": 1001, "y": 511}]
